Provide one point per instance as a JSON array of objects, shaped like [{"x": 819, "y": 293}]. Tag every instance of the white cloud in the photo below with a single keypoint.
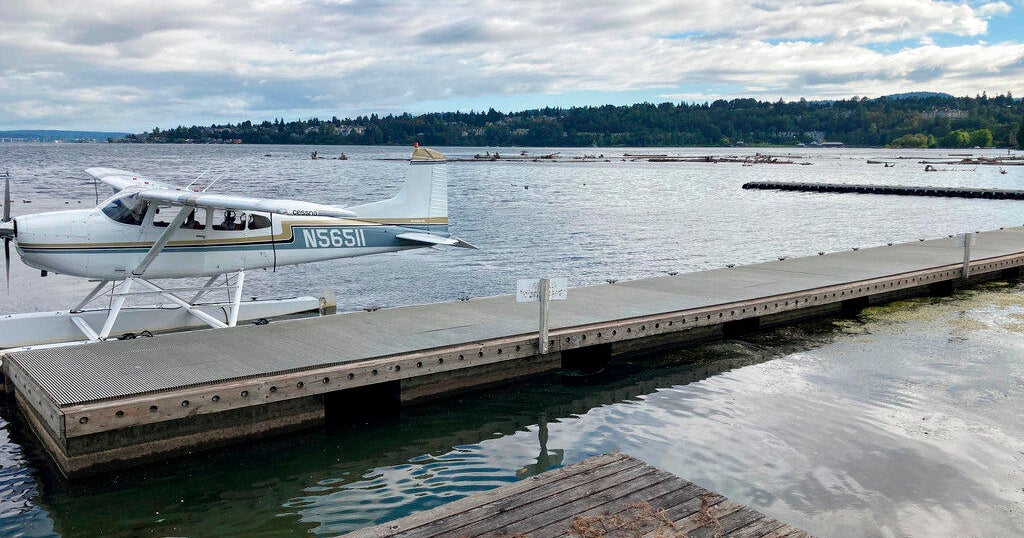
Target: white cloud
[{"x": 126, "y": 65}]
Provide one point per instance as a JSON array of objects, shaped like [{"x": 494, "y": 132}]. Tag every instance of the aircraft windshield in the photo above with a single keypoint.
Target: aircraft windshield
[{"x": 127, "y": 209}]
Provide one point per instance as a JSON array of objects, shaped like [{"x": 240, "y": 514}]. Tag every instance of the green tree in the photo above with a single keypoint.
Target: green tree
[
  {"x": 957, "y": 139},
  {"x": 1020, "y": 135},
  {"x": 917, "y": 140},
  {"x": 981, "y": 138}
]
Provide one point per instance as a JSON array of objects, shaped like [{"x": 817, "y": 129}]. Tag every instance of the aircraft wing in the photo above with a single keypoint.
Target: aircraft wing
[
  {"x": 431, "y": 239},
  {"x": 245, "y": 203},
  {"x": 159, "y": 191},
  {"x": 122, "y": 179}
]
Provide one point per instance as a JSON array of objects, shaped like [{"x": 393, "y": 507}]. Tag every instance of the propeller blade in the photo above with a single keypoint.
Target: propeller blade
[
  {"x": 7, "y": 218},
  {"x": 7, "y": 261},
  {"x": 7, "y": 198}
]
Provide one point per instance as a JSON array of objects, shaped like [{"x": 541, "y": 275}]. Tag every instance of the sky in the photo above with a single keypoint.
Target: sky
[{"x": 133, "y": 65}]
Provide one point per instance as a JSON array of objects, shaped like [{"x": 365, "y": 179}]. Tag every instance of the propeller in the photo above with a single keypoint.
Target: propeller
[{"x": 7, "y": 232}]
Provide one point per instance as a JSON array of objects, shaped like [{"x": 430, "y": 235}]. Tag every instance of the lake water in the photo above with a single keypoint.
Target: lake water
[{"x": 905, "y": 421}]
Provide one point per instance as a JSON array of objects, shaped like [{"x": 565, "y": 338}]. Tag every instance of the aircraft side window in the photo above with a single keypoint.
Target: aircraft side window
[
  {"x": 227, "y": 219},
  {"x": 195, "y": 221},
  {"x": 258, "y": 222},
  {"x": 127, "y": 210},
  {"x": 164, "y": 214}
]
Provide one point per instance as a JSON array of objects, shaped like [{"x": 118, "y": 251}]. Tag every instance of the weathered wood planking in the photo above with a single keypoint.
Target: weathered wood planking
[{"x": 614, "y": 493}]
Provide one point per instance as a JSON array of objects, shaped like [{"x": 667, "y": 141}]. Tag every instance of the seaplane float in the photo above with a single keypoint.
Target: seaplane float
[{"x": 151, "y": 230}]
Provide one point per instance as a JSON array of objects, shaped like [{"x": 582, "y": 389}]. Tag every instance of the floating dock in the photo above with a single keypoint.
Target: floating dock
[
  {"x": 608, "y": 495},
  {"x": 899, "y": 190},
  {"x": 119, "y": 403}
]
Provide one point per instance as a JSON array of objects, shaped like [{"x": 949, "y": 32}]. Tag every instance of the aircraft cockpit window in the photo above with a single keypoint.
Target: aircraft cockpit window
[
  {"x": 258, "y": 222},
  {"x": 127, "y": 209}
]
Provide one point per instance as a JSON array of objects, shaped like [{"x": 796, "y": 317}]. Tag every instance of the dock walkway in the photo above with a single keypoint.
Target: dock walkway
[
  {"x": 611, "y": 495},
  {"x": 119, "y": 403}
]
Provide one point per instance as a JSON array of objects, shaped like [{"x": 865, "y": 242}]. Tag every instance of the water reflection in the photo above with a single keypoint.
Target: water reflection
[
  {"x": 334, "y": 480},
  {"x": 546, "y": 459}
]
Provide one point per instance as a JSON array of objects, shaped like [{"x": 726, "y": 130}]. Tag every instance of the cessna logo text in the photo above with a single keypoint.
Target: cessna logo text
[
  {"x": 333, "y": 237},
  {"x": 305, "y": 212}
]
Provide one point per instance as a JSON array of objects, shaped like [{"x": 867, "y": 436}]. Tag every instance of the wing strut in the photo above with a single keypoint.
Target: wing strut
[
  {"x": 161, "y": 242},
  {"x": 125, "y": 290}
]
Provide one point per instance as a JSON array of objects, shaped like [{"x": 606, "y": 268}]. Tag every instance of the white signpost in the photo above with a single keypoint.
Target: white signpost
[
  {"x": 542, "y": 290},
  {"x": 965, "y": 240}
]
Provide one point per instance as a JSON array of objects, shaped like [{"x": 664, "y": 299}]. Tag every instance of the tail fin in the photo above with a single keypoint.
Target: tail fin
[{"x": 423, "y": 198}]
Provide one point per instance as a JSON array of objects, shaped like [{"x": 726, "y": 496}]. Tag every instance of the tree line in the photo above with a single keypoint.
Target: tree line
[{"x": 931, "y": 120}]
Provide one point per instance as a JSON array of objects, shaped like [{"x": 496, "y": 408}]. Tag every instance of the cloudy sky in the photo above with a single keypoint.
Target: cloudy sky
[{"x": 133, "y": 65}]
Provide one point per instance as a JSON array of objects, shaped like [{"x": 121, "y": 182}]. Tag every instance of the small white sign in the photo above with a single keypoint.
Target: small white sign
[
  {"x": 961, "y": 240},
  {"x": 528, "y": 289}
]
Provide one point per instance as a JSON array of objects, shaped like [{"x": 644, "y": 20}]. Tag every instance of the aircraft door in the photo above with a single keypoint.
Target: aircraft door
[
  {"x": 260, "y": 228},
  {"x": 227, "y": 239}
]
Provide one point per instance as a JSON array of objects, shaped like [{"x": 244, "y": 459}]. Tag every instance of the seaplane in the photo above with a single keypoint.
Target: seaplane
[{"x": 151, "y": 230}]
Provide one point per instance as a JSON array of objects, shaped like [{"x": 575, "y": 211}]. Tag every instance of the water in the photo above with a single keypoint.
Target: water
[{"x": 903, "y": 422}]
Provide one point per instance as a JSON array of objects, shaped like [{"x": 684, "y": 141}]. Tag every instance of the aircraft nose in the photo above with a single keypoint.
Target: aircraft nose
[{"x": 9, "y": 229}]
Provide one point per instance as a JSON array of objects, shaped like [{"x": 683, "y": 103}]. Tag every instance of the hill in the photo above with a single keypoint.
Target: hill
[
  {"x": 926, "y": 119},
  {"x": 47, "y": 135}
]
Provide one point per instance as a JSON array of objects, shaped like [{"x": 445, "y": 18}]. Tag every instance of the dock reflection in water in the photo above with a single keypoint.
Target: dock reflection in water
[{"x": 903, "y": 422}]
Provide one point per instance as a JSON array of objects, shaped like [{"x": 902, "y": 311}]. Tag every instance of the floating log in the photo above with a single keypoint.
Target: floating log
[{"x": 901, "y": 190}]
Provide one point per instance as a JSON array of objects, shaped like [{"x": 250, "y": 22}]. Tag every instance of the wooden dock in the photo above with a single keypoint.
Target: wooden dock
[
  {"x": 612, "y": 495},
  {"x": 118, "y": 403},
  {"x": 898, "y": 190}
]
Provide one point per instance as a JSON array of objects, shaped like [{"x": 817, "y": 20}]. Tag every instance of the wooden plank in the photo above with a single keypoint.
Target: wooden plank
[
  {"x": 644, "y": 516},
  {"x": 591, "y": 504},
  {"x": 705, "y": 519},
  {"x": 729, "y": 523},
  {"x": 547, "y": 493},
  {"x": 454, "y": 508},
  {"x": 690, "y": 506},
  {"x": 787, "y": 532},
  {"x": 562, "y": 506},
  {"x": 758, "y": 529}
]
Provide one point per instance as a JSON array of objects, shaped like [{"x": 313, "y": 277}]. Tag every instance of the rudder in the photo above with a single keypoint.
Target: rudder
[{"x": 424, "y": 195}]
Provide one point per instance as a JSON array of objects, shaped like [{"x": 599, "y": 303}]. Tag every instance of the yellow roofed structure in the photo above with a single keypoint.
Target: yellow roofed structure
[{"x": 426, "y": 154}]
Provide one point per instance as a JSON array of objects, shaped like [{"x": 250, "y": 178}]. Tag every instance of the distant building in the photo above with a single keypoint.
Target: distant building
[
  {"x": 815, "y": 136},
  {"x": 944, "y": 113}
]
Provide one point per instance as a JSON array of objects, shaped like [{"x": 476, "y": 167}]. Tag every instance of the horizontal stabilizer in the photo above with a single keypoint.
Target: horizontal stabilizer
[{"x": 431, "y": 239}]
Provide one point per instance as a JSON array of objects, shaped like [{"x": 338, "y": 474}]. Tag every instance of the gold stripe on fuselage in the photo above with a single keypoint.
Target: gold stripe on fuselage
[{"x": 285, "y": 236}]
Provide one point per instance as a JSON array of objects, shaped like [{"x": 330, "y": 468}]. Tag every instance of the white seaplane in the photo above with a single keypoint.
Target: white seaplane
[{"x": 152, "y": 230}]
